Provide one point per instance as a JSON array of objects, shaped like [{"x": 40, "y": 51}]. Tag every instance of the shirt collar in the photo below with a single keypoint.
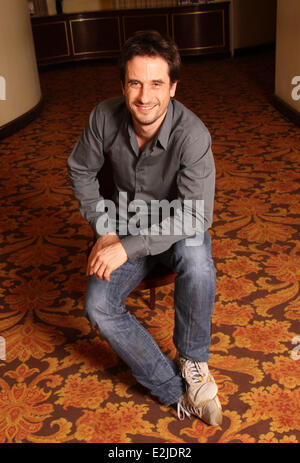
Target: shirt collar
[
  {"x": 165, "y": 130},
  {"x": 131, "y": 133}
]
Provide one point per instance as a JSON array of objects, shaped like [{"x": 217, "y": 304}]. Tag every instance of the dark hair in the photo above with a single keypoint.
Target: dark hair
[{"x": 151, "y": 43}]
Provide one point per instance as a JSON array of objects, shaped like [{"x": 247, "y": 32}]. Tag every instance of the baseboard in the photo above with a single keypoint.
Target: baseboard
[
  {"x": 13, "y": 126},
  {"x": 253, "y": 49},
  {"x": 286, "y": 110}
]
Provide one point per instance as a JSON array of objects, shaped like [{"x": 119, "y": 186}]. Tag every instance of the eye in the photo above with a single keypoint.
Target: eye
[{"x": 134, "y": 84}]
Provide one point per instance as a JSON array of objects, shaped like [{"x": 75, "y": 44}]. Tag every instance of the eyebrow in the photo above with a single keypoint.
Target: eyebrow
[{"x": 160, "y": 81}]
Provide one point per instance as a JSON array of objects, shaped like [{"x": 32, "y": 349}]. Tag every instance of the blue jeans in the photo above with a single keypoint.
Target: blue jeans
[{"x": 194, "y": 297}]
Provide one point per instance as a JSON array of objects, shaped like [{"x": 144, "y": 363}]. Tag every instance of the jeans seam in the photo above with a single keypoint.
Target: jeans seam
[{"x": 153, "y": 344}]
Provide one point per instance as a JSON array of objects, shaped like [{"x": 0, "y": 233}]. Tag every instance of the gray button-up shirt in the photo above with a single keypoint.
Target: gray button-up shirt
[{"x": 176, "y": 165}]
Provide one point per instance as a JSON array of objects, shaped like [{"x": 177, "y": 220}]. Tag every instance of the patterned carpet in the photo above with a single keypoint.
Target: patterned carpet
[{"x": 60, "y": 382}]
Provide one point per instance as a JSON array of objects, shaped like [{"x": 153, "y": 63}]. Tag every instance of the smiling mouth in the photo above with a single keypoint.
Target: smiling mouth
[{"x": 145, "y": 108}]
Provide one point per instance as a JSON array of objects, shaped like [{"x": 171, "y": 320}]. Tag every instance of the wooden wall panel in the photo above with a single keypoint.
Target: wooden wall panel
[
  {"x": 51, "y": 40},
  {"x": 197, "y": 29},
  {"x": 144, "y": 21},
  {"x": 95, "y": 35}
]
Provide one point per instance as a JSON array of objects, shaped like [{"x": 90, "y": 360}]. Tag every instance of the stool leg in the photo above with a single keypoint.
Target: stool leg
[{"x": 152, "y": 298}]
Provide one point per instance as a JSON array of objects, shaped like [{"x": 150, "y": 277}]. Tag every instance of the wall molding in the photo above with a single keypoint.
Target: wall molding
[
  {"x": 20, "y": 122},
  {"x": 286, "y": 109}
]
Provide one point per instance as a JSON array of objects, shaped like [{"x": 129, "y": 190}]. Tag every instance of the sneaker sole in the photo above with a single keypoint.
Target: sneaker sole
[{"x": 212, "y": 415}]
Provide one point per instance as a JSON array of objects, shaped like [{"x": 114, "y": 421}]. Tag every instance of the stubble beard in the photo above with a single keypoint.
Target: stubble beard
[{"x": 144, "y": 121}]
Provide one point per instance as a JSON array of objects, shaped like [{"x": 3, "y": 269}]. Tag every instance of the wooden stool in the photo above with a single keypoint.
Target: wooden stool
[{"x": 159, "y": 276}]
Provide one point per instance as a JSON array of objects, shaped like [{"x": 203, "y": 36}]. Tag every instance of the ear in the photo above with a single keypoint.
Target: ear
[{"x": 173, "y": 88}]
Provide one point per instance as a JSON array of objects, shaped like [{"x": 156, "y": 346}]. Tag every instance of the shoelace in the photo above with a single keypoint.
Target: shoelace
[
  {"x": 194, "y": 372},
  {"x": 184, "y": 409}
]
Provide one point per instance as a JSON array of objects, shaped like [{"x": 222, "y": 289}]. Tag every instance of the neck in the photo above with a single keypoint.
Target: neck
[{"x": 145, "y": 133}]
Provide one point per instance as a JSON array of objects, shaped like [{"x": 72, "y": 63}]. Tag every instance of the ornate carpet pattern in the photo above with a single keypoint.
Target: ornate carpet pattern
[{"x": 60, "y": 382}]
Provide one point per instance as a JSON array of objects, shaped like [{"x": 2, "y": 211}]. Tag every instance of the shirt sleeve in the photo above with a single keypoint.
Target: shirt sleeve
[
  {"x": 84, "y": 164},
  {"x": 195, "y": 200}
]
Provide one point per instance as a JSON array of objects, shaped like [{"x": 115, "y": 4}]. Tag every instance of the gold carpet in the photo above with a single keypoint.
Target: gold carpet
[{"x": 60, "y": 382}]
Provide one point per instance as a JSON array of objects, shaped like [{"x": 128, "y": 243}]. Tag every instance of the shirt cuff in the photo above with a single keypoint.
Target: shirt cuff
[{"x": 135, "y": 246}]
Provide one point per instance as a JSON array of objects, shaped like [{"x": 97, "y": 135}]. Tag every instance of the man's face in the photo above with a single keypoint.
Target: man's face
[{"x": 148, "y": 89}]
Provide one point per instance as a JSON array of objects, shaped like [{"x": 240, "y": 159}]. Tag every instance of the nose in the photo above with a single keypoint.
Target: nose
[{"x": 144, "y": 95}]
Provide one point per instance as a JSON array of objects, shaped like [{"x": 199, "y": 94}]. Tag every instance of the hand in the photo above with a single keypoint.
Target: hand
[{"x": 106, "y": 256}]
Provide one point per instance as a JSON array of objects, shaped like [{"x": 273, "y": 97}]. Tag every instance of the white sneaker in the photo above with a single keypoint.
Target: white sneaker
[
  {"x": 210, "y": 413},
  {"x": 200, "y": 384}
]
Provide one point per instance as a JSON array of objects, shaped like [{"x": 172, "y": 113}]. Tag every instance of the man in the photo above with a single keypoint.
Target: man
[{"x": 159, "y": 150}]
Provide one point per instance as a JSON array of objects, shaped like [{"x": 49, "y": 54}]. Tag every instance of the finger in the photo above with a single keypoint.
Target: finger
[
  {"x": 100, "y": 271},
  {"x": 93, "y": 255},
  {"x": 89, "y": 261},
  {"x": 96, "y": 265},
  {"x": 107, "y": 273},
  {"x": 90, "y": 269},
  {"x": 93, "y": 260}
]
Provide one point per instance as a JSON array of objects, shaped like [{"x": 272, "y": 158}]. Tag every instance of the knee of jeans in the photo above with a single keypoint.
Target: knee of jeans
[
  {"x": 94, "y": 305},
  {"x": 98, "y": 306},
  {"x": 195, "y": 261},
  {"x": 110, "y": 320}
]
